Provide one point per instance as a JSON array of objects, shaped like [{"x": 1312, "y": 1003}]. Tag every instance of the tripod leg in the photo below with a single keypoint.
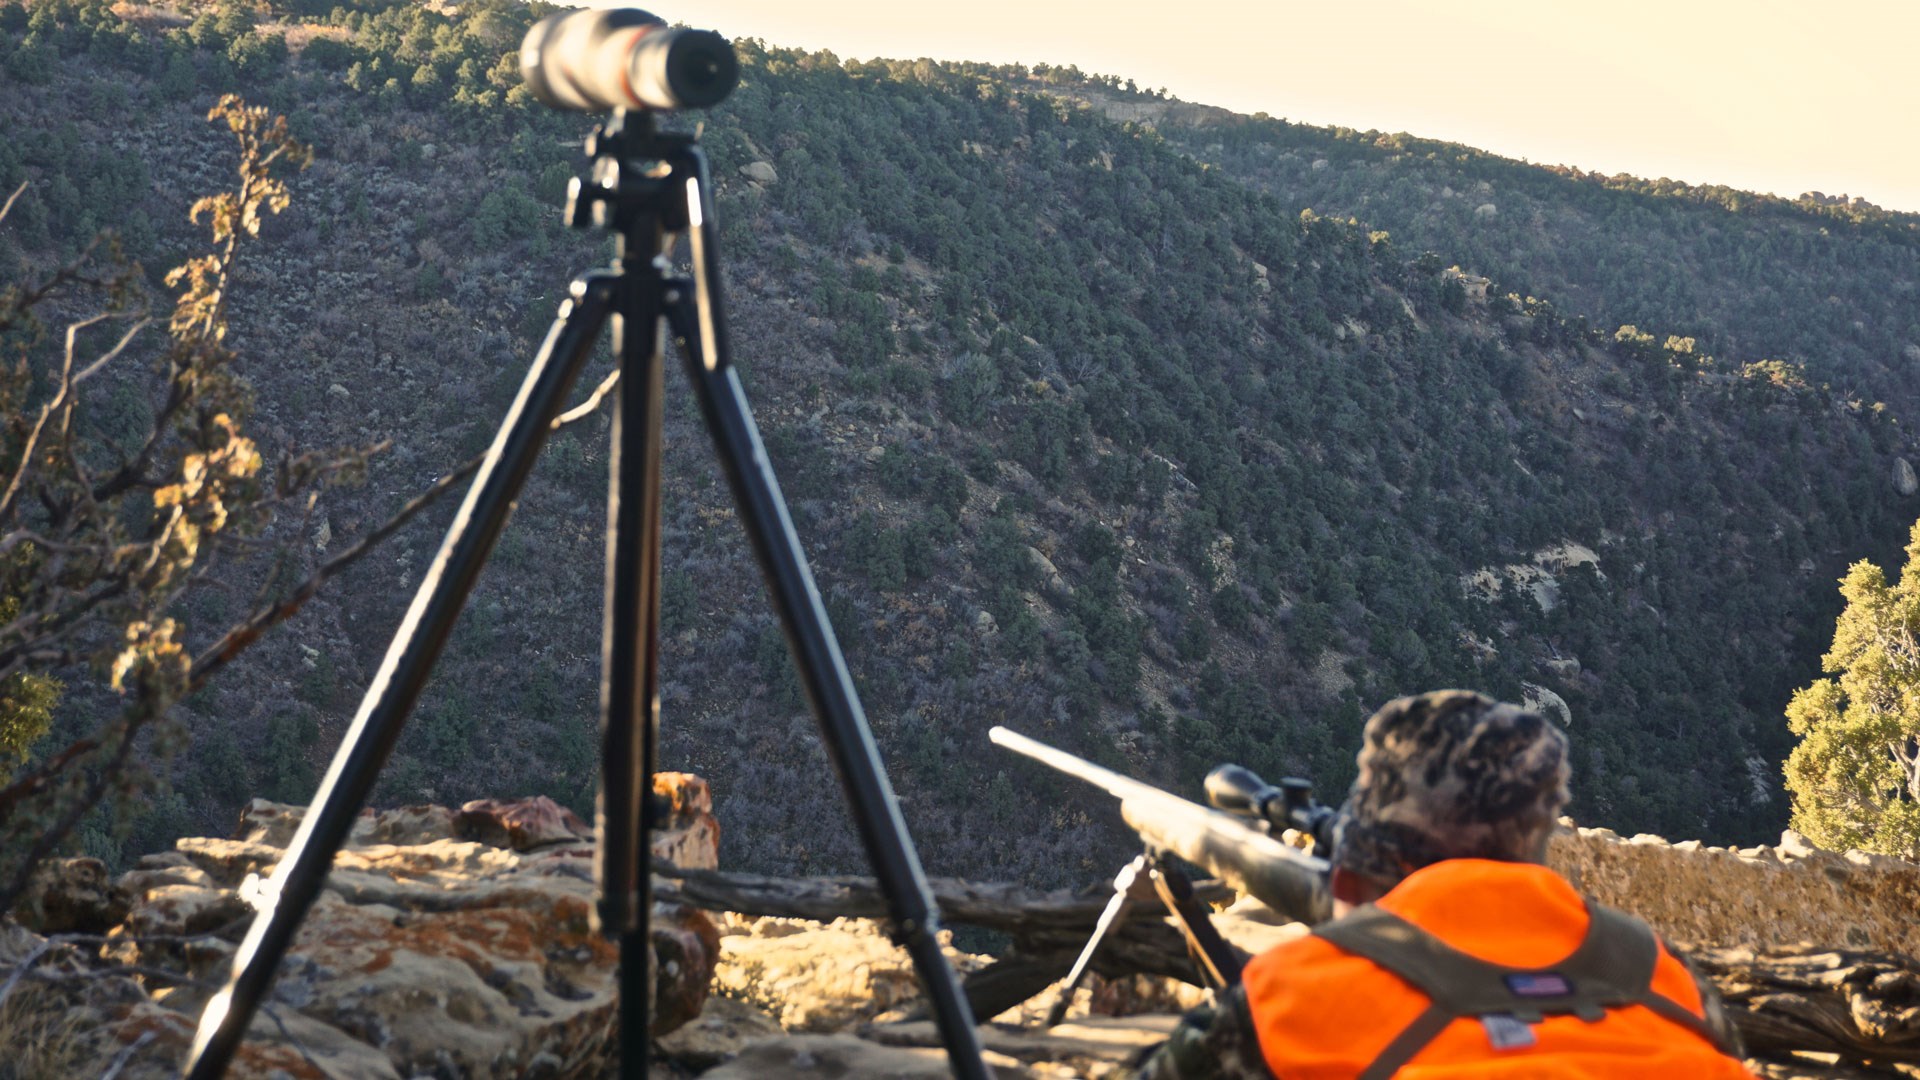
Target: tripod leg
[
  {"x": 700, "y": 320},
  {"x": 284, "y": 899},
  {"x": 630, "y": 661}
]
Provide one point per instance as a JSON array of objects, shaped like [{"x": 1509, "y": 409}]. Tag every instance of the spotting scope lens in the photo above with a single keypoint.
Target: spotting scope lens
[{"x": 625, "y": 58}]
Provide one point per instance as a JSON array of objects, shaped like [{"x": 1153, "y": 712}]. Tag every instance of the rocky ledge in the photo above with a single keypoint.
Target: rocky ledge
[
  {"x": 448, "y": 943},
  {"x": 1754, "y": 897},
  {"x": 460, "y": 943}
]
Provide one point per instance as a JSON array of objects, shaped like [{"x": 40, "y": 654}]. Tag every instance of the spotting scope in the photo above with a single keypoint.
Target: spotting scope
[{"x": 624, "y": 58}]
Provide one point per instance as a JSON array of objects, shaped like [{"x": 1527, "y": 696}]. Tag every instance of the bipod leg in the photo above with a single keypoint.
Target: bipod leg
[
  {"x": 1218, "y": 962},
  {"x": 285, "y": 897},
  {"x": 1129, "y": 886},
  {"x": 697, "y": 315}
]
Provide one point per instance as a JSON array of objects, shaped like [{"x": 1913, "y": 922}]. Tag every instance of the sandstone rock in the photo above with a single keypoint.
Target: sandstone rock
[
  {"x": 686, "y": 947},
  {"x": 273, "y": 824},
  {"x": 1486, "y": 211},
  {"x": 427, "y": 954},
  {"x": 1754, "y": 897},
  {"x": 690, "y": 837},
  {"x": 1090, "y": 1047},
  {"x": 285, "y": 1044},
  {"x": 724, "y": 1028},
  {"x": 828, "y": 1057},
  {"x": 815, "y": 977},
  {"x": 68, "y": 895},
  {"x": 520, "y": 824},
  {"x": 760, "y": 172},
  {"x": 1904, "y": 480}
]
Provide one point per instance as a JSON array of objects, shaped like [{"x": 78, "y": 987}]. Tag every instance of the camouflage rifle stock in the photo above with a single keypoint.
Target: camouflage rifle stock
[{"x": 1236, "y": 848}]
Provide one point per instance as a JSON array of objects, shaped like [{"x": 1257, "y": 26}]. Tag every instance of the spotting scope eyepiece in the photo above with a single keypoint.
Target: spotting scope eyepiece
[{"x": 625, "y": 58}]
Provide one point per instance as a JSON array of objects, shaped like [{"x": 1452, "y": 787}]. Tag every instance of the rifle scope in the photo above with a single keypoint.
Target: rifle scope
[
  {"x": 624, "y": 58},
  {"x": 1239, "y": 790}
]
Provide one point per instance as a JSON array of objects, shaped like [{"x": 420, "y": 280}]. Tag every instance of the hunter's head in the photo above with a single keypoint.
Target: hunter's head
[{"x": 1450, "y": 775}]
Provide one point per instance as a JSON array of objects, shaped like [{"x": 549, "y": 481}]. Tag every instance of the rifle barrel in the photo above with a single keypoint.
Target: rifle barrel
[
  {"x": 1120, "y": 787},
  {"x": 1232, "y": 849}
]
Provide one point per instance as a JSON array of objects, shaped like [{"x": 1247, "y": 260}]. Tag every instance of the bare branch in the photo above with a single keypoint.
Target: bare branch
[
  {"x": 111, "y": 354},
  {"x": 592, "y": 404},
  {"x": 120, "y": 1060},
  {"x": 17, "y": 192},
  {"x": 242, "y": 636}
]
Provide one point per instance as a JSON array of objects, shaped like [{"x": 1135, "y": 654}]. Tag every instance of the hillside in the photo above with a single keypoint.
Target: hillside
[
  {"x": 1823, "y": 280},
  {"x": 1085, "y": 436}
]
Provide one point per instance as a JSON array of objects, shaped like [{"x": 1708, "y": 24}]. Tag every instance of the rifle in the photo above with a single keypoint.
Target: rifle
[{"x": 1231, "y": 841}]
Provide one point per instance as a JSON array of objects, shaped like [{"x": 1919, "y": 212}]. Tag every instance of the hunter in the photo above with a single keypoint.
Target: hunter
[{"x": 1454, "y": 951}]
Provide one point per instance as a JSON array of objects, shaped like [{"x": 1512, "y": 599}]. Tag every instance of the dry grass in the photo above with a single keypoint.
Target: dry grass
[{"x": 41, "y": 1037}]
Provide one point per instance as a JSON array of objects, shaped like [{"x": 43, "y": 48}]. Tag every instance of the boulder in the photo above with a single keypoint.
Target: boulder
[
  {"x": 1547, "y": 703},
  {"x": 1486, "y": 211},
  {"x": 68, "y": 895},
  {"x": 520, "y": 824},
  {"x": 690, "y": 837},
  {"x": 760, "y": 172},
  {"x": 1048, "y": 572},
  {"x": 1904, "y": 480}
]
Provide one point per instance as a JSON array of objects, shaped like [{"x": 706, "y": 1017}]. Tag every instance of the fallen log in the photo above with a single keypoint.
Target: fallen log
[
  {"x": 1047, "y": 929},
  {"x": 1862, "y": 1006},
  {"x": 1011, "y": 909}
]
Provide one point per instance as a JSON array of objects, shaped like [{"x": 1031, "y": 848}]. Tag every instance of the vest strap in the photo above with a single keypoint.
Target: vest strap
[
  {"x": 1612, "y": 967},
  {"x": 1412, "y": 1039}
]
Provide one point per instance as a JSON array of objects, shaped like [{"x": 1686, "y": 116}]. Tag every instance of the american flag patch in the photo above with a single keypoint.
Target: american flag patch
[{"x": 1543, "y": 984}]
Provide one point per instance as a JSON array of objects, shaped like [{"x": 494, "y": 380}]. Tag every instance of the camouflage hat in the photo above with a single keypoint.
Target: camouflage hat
[{"x": 1450, "y": 775}]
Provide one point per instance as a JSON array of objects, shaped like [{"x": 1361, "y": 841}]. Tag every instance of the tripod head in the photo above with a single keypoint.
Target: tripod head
[{"x": 631, "y": 171}]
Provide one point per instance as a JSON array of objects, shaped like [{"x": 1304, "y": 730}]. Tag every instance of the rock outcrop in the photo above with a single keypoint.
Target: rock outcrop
[
  {"x": 447, "y": 943},
  {"x": 1748, "y": 897},
  {"x": 1905, "y": 482}
]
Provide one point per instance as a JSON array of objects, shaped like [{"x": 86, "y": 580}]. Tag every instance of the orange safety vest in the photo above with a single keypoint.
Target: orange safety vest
[{"x": 1516, "y": 960}]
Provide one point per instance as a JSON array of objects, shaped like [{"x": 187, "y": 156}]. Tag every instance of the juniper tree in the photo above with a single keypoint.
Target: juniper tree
[{"x": 1855, "y": 777}]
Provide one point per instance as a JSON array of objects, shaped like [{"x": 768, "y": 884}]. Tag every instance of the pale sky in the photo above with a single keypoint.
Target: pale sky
[{"x": 1763, "y": 95}]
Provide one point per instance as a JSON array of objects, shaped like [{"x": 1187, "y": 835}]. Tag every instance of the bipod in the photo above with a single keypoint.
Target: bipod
[
  {"x": 1148, "y": 877},
  {"x": 649, "y": 188}
]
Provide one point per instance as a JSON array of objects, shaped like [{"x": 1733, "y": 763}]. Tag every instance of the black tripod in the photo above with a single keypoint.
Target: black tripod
[{"x": 647, "y": 187}]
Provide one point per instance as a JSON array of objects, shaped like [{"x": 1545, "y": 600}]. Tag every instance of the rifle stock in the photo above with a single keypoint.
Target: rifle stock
[{"x": 1230, "y": 848}]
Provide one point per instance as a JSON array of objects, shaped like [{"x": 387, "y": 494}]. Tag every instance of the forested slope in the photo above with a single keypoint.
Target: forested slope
[
  {"x": 1824, "y": 280},
  {"x": 1086, "y": 437}
]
